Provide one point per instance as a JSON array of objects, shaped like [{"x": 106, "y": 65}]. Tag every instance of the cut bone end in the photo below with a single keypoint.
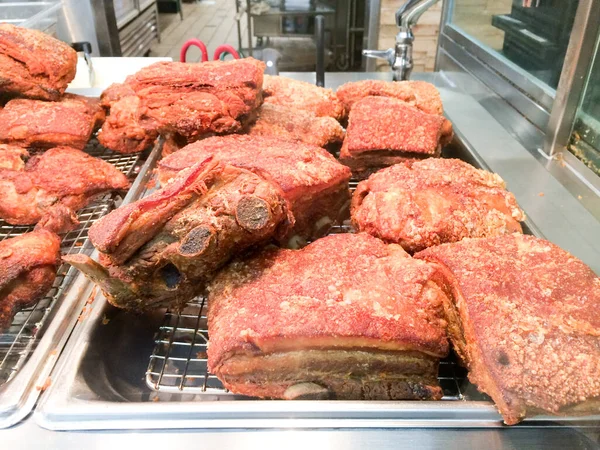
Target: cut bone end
[
  {"x": 196, "y": 241},
  {"x": 253, "y": 213}
]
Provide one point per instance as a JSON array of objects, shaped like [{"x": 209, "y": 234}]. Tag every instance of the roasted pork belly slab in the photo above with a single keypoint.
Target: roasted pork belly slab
[
  {"x": 297, "y": 125},
  {"x": 420, "y": 94},
  {"x": 192, "y": 101},
  {"x": 346, "y": 317},
  {"x": 161, "y": 250},
  {"x": 36, "y": 123},
  {"x": 27, "y": 270},
  {"x": 313, "y": 182},
  {"x": 34, "y": 64},
  {"x": 12, "y": 157},
  {"x": 384, "y": 130},
  {"x": 53, "y": 185},
  {"x": 434, "y": 201},
  {"x": 523, "y": 317},
  {"x": 296, "y": 94}
]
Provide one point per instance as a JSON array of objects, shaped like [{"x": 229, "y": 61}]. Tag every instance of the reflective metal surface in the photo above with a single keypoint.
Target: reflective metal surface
[
  {"x": 578, "y": 60},
  {"x": 31, "y": 345},
  {"x": 100, "y": 380},
  {"x": 28, "y": 436},
  {"x": 400, "y": 58},
  {"x": 504, "y": 87}
]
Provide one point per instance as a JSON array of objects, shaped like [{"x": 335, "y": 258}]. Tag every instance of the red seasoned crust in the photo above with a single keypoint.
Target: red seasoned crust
[
  {"x": 12, "y": 157},
  {"x": 298, "y": 168},
  {"x": 342, "y": 291},
  {"x": 529, "y": 328},
  {"x": 193, "y": 99},
  {"x": 297, "y": 125},
  {"x": 434, "y": 201},
  {"x": 34, "y": 64},
  {"x": 314, "y": 184},
  {"x": 56, "y": 182},
  {"x": 389, "y": 124},
  {"x": 27, "y": 270},
  {"x": 420, "y": 94},
  {"x": 37, "y": 123},
  {"x": 301, "y": 95},
  {"x": 187, "y": 101}
]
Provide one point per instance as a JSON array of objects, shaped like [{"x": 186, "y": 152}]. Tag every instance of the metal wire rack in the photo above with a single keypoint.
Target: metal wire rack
[
  {"x": 21, "y": 338},
  {"x": 178, "y": 363}
]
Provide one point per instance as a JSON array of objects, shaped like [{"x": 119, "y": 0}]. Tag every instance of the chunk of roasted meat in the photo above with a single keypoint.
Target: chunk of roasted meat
[
  {"x": 523, "y": 317},
  {"x": 188, "y": 100},
  {"x": 126, "y": 129},
  {"x": 161, "y": 250},
  {"x": 36, "y": 123},
  {"x": 53, "y": 185},
  {"x": 12, "y": 157},
  {"x": 34, "y": 64},
  {"x": 432, "y": 202},
  {"x": 296, "y": 125},
  {"x": 28, "y": 266},
  {"x": 296, "y": 94},
  {"x": 383, "y": 131},
  {"x": 314, "y": 184},
  {"x": 347, "y": 317},
  {"x": 420, "y": 94}
]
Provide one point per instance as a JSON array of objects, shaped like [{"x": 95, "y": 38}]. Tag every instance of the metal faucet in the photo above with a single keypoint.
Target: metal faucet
[{"x": 400, "y": 58}]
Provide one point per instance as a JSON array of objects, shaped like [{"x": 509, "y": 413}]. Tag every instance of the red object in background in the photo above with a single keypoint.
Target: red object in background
[{"x": 225, "y": 48}]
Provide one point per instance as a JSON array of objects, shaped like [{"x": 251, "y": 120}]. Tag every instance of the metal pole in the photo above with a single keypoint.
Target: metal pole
[
  {"x": 320, "y": 38},
  {"x": 239, "y": 27},
  {"x": 249, "y": 18}
]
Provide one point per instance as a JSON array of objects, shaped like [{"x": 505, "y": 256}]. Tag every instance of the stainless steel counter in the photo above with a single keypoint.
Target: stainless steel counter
[
  {"x": 28, "y": 436},
  {"x": 554, "y": 211}
]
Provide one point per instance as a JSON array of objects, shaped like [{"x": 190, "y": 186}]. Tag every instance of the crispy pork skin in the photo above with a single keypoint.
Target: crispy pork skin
[
  {"x": 12, "y": 157},
  {"x": 314, "y": 184},
  {"x": 524, "y": 320},
  {"x": 297, "y": 125},
  {"x": 34, "y": 64},
  {"x": 420, "y": 94},
  {"x": 35, "y": 123},
  {"x": 432, "y": 202},
  {"x": 192, "y": 101},
  {"x": 126, "y": 129},
  {"x": 301, "y": 95},
  {"x": 28, "y": 266},
  {"x": 53, "y": 185},
  {"x": 161, "y": 250},
  {"x": 384, "y": 131},
  {"x": 346, "y": 317}
]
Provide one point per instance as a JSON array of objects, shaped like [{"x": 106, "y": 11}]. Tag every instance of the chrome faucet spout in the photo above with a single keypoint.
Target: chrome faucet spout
[
  {"x": 400, "y": 57},
  {"x": 410, "y": 12}
]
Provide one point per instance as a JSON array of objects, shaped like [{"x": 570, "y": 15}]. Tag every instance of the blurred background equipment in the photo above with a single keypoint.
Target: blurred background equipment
[{"x": 288, "y": 26}]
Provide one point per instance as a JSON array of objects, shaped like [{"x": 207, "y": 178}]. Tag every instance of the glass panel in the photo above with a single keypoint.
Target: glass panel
[
  {"x": 123, "y": 7},
  {"x": 585, "y": 140},
  {"x": 533, "y": 34}
]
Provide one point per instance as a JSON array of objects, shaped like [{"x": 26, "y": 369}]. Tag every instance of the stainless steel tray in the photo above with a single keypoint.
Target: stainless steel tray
[
  {"x": 32, "y": 344},
  {"x": 105, "y": 381}
]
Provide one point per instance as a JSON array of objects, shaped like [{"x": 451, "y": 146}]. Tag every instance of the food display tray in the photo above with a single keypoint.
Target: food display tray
[
  {"x": 178, "y": 362},
  {"x": 33, "y": 340},
  {"x": 148, "y": 371}
]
